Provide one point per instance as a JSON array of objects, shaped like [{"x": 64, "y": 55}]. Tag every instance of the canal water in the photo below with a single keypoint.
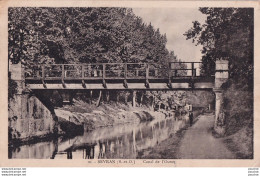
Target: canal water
[{"x": 117, "y": 142}]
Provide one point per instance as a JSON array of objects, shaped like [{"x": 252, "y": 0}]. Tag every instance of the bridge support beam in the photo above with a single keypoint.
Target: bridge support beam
[{"x": 221, "y": 76}]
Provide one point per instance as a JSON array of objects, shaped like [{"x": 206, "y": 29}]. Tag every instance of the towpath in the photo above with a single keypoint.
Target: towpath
[{"x": 198, "y": 142}]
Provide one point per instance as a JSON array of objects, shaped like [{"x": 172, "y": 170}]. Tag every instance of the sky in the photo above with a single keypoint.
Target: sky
[{"x": 175, "y": 22}]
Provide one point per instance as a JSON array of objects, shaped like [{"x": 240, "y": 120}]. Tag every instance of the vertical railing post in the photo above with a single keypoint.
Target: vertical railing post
[
  {"x": 104, "y": 71},
  {"x": 119, "y": 72},
  {"x": 82, "y": 76},
  {"x": 89, "y": 71},
  {"x": 125, "y": 75},
  {"x": 169, "y": 71},
  {"x": 62, "y": 72},
  {"x": 63, "y": 76},
  {"x": 192, "y": 69},
  {"x": 169, "y": 76},
  {"x": 43, "y": 72},
  {"x": 147, "y": 85},
  {"x": 104, "y": 75},
  {"x": 192, "y": 76},
  {"x": 43, "y": 76},
  {"x": 147, "y": 71},
  {"x": 82, "y": 71},
  {"x": 125, "y": 70}
]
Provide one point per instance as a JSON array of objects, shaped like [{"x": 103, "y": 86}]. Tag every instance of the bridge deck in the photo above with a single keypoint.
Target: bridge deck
[{"x": 178, "y": 75}]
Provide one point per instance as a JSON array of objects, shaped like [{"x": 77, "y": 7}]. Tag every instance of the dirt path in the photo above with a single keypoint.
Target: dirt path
[{"x": 198, "y": 142}]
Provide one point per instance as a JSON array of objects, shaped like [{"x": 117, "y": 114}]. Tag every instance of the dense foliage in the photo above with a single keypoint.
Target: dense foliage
[
  {"x": 83, "y": 35},
  {"x": 227, "y": 33}
]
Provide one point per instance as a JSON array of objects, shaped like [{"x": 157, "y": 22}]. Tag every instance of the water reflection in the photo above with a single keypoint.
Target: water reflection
[{"x": 122, "y": 141}]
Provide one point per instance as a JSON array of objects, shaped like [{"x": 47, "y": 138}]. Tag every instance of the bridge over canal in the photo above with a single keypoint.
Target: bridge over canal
[
  {"x": 119, "y": 76},
  {"x": 123, "y": 76}
]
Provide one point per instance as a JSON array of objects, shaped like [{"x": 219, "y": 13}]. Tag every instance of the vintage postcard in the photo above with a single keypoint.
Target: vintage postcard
[{"x": 129, "y": 83}]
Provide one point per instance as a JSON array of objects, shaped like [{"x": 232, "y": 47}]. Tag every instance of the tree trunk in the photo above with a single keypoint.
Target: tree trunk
[
  {"x": 90, "y": 97},
  {"x": 107, "y": 96},
  {"x": 126, "y": 97},
  {"x": 99, "y": 98},
  {"x": 117, "y": 97},
  {"x": 134, "y": 99},
  {"x": 153, "y": 102},
  {"x": 141, "y": 100}
]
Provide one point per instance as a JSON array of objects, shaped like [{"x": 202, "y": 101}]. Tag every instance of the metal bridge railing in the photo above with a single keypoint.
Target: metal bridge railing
[{"x": 115, "y": 71}]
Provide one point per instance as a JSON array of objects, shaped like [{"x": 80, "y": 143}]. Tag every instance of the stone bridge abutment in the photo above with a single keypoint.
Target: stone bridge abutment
[{"x": 28, "y": 116}]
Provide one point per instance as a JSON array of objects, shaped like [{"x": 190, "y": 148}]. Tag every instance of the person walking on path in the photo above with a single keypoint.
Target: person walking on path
[{"x": 191, "y": 118}]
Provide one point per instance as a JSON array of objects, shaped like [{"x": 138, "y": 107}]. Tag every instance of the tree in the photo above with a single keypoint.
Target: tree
[
  {"x": 82, "y": 35},
  {"x": 227, "y": 33}
]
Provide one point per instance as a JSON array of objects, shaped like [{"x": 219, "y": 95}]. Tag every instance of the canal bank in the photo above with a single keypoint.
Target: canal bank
[
  {"x": 118, "y": 141},
  {"x": 82, "y": 116},
  {"x": 83, "y": 119},
  {"x": 195, "y": 142},
  {"x": 111, "y": 130}
]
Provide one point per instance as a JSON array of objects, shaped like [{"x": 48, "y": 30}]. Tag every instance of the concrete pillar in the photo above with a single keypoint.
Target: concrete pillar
[
  {"x": 17, "y": 74},
  {"x": 221, "y": 76},
  {"x": 218, "y": 106}
]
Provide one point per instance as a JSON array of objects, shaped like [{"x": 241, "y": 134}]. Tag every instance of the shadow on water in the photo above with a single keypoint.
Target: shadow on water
[{"x": 121, "y": 141}]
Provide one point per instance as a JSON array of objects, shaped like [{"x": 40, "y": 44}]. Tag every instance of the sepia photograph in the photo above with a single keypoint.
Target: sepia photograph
[{"x": 130, "y": 83}]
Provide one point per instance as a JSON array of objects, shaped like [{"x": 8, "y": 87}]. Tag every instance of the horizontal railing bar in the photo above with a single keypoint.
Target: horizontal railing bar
[
  {"x": 184, "y": 62},
  {"x": 113, "y": 63},
  {"x": 80, "y": 78},
  {"x": 183, "y": 69}
]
